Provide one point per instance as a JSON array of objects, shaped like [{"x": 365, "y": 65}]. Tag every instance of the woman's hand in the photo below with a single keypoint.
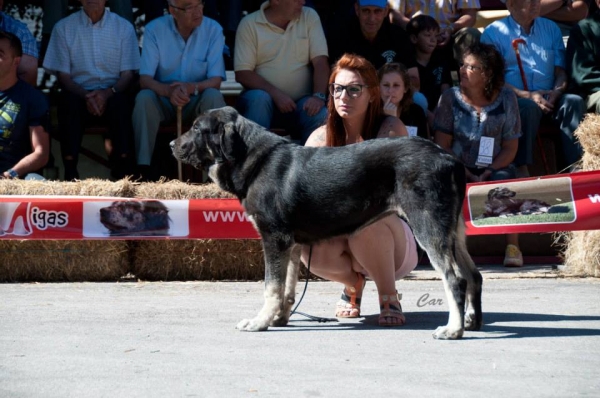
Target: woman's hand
[{"x": 389, "y": 108}]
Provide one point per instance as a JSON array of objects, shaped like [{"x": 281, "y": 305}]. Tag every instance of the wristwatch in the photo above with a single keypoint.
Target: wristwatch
[
  {"x": 320, "y": 96},
  {"x": 12, "y": 174}
]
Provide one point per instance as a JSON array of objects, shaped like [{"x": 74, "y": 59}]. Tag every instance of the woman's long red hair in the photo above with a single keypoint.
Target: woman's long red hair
[{"x": 336, "y": 134}]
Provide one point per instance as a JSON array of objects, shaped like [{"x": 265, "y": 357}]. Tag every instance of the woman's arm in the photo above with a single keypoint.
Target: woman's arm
[{"x": 317, "y": 137}]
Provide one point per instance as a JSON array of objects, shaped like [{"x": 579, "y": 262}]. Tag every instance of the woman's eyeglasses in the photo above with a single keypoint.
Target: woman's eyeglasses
[
  {"x": 188, "y": 9},
  {"x": 470, "y": 68},
  {"x": 353, "y": 90}
]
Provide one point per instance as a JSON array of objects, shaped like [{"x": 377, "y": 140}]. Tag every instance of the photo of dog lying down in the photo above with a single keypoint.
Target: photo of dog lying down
[
  {"x": 297, "y": 195},
  {"x": 136, "y": 218},
  {"x": 501, "y": 202}
]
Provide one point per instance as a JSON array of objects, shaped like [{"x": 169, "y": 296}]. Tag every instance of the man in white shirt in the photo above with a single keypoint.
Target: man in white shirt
[{"x": 94, "y": 54}]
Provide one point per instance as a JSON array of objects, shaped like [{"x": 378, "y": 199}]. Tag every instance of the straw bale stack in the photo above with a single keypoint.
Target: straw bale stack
[
  {"x": 203, "y": 259},
  {"x": 58, "y": 261},
  {"x": 102, "y": 260},
  {"x": 582, "y": 248},
  {"x": 63, "y": 260}
]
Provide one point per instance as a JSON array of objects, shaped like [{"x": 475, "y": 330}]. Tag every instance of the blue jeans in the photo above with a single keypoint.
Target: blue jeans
[
  {"x": 568, "y": 113},
  {"x": 258, "y": 106}
]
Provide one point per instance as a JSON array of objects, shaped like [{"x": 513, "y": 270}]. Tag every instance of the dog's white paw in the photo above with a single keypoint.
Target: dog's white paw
[
  {"x": 252, "y": 325},
  {"x": 446, "y": 333}
]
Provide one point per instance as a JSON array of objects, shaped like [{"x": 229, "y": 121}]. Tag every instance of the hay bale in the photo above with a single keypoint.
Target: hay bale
[
  {"x": 58, "y": 261},
  {"x": 588, "y": 134},
  {"x": 92, "y": 187},
  {"x": 581, "y": 250},
  {"x": 177, "y": 190},
  {"x": 582, "y": 253},
  {"x": 62, "y": 260},
  {"x": 206, "y": 259}
]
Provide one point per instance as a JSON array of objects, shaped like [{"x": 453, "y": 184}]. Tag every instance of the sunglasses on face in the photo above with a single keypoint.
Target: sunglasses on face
[{"x": 352, "y": 90}]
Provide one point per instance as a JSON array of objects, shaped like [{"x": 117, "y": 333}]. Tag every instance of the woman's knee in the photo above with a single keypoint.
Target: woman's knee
[{"x": 322, "y": 254}]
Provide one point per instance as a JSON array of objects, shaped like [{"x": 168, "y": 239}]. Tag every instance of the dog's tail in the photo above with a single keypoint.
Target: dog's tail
[{"x": 460, "y": 179}]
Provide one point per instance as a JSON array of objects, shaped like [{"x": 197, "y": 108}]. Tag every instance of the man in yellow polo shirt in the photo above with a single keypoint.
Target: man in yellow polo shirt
[{"x": 281, "y": 61}]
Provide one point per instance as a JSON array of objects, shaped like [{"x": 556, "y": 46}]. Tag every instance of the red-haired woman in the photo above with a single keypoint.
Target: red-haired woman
[{"x": 384, "y": 251}]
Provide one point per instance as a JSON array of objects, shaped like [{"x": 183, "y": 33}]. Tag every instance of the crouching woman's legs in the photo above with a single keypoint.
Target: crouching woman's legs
[{"x": 383, "y": 251}]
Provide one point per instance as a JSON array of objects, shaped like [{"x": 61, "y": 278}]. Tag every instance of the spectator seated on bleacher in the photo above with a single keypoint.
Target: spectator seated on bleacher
[
  {"x": 482, "y": 100},
  {"x": 434, "y": 68},
  {"x": 456, "y": 18},
  {"x": 538, "y": 78},
  {"x": 182, "y": 66},
  {"x": 396, "y": 94},
  {"x": 24, "y": 142},
  {"x": 28, "y": 65},
  {"x": 583, "y": 60},
  {"x": 95, "y": 55},
  {"x": 565, "y": 13},
  {"x": 276, "y": 47},
  {"x": 370, "y": 34}
]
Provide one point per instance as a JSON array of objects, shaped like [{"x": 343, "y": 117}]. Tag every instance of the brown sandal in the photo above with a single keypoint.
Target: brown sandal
[
  {"x": 391, "y": 310},
  {"x": 349, "y": 305}
]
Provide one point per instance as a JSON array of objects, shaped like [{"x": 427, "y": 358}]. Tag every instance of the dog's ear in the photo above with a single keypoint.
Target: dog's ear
[{"x": 231, "y": 141}]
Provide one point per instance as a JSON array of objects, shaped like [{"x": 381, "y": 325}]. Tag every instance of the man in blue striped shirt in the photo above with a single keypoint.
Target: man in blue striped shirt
[{"x": 95, "y": 55}]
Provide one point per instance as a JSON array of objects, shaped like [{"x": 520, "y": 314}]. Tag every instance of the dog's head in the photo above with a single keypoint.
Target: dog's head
[
  {"x": 214, "y": 138},
  {"x": 132, "y": 217},
  {"x": 500, "y": 193}
]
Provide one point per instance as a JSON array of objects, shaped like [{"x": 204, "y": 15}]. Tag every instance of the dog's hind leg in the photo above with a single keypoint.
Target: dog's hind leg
[
  {"x": 277, "y": 257},
  {"x": 473, "y": 314},
  {"x": 289, "y": 297},
  {"x": 437, "y": 236},
  {"x": 455, "y": 288}
]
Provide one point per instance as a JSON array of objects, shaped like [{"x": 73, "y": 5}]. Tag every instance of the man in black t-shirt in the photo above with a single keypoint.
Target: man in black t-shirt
[
  {"x": 24, "y": 143},
  {"x": 371, "y": 35}
]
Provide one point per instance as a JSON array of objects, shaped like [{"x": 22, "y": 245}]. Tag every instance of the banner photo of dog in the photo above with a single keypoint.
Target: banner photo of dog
[
  {"x": 72, "y": 218},
  {"x": 136, "y": 218},
  {"x": 547, "y": 204}
]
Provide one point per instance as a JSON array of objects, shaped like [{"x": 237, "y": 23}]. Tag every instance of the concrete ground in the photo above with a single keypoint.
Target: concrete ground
[{"x": 133, "y": 339}]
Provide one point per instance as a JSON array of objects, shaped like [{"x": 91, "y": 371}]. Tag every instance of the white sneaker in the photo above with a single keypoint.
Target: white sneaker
[{"x": 513, "y": 257}]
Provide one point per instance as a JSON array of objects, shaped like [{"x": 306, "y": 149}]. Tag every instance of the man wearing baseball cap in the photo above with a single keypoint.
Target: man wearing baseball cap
[{"x": 370, "y": 34}]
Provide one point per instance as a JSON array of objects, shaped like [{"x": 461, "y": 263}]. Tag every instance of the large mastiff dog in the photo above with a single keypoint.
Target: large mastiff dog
[{"x": 301, "y": 195}]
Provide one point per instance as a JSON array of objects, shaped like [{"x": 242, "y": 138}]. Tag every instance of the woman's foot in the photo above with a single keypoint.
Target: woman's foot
[
  {"x": 349, "y": 304},
  {"x": 390, "y": 310}
]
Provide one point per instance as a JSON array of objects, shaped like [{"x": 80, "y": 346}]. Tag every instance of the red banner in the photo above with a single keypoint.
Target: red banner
[
  {"x": 51, "y": 217},
  {"x": 547, "y": 204},
  {"x": 565, "y": 202}
]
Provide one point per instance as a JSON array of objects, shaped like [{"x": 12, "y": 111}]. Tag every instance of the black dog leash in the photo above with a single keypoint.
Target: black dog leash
[{"x": 311, "y": 318}]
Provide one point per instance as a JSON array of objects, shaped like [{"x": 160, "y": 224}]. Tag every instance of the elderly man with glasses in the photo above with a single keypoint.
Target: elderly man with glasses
[
  {"x": 182, "y": 66},
  {"x": 534, "y": 53}
]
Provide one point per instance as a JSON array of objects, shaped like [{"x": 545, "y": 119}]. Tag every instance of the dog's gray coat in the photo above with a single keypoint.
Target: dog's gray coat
[{"x": 301, "y": 195}]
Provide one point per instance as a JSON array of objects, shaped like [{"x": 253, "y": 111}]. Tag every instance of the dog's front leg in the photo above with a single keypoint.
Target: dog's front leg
[
  {"x": 283, "y": 316},
  {"x": 277, "y": 256}
]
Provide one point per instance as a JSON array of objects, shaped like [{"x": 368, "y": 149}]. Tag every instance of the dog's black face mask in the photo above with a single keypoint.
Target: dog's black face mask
[{"x": 213, "y": 139}]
